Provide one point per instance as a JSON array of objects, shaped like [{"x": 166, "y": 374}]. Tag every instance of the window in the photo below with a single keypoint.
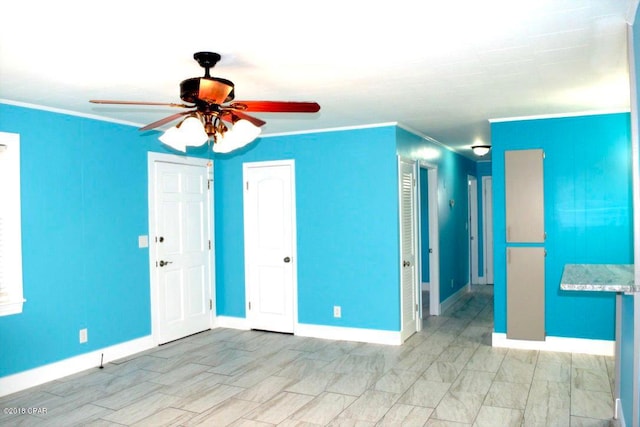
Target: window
[{"x": 11, "y": 296}]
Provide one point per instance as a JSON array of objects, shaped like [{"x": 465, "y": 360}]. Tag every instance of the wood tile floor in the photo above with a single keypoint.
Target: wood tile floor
[{"x": 446, "y": 375}]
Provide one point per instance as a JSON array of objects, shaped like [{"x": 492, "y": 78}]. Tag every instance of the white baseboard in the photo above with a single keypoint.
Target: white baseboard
[
  {"x": 232, "y": 322},
  {"x": 53, "y": 371},
  {"x": 371, "y": 336},
  {"x": 558, "y": 344},
  {"x": 444, "y": 305}
]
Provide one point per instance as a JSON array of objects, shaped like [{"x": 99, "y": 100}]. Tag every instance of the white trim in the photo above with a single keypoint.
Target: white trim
[
  {"x": 558, "y": 115},
  {"x": 472, "y": 228},
  {"x": 370, "y": 336},
  {"x": 434, "y": 238},
  {"x": 337, "y": 333},
  {"x": 631, "y": 12},
  {"x": 446, "y": 304},
  {"x": 53, "y": 371},
  {"x": 635, "y": 181},
  {"x": 557, "y": 344},
  {"x": 152, "y": 158},
  {"x": 618, "y": 413},
  {"x": 232, "y": 323},
  {"x": 427, "y": 138},
  {"x": 332, "y": 129},
  {"x": 68, "y": 112},
  {"x": 425, "y": 287},
  {"x": 487, "y": 234}
]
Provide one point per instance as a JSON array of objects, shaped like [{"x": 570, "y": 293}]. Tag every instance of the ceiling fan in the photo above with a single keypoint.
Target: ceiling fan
[{"x": 210, "y": 103}]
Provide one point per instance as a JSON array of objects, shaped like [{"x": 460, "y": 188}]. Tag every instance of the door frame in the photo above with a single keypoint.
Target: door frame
[
  {"x": 152, "y": 158},
  {"x": 294, "y": 236},
  {"x": 472, "y": 229},
  {"x": 434, "y": 239},
  {"x": 487, "y": 230}
]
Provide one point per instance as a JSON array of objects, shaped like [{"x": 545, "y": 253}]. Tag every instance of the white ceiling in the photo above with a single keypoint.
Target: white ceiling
[{"x": 439, "y": 67}]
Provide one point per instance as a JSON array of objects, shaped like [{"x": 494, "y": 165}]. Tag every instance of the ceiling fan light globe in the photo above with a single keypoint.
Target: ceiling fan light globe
[
  {"x": 173, "y": 138},
  {"x": 246, "y": 131},
  {"x": 192, "y": 132}
]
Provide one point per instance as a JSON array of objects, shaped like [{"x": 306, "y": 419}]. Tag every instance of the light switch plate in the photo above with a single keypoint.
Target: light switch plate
[{"x": 143, "y": 241}]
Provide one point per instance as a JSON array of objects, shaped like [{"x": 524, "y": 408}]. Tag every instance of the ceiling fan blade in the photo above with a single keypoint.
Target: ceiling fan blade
[
  {"x": 165, "y": 120},
  {"x": 233, "y": 116},
  {"x": 275, "y": 106},
  {"x": 164, "y": 104},
  {"x": 214, "y": 91}
]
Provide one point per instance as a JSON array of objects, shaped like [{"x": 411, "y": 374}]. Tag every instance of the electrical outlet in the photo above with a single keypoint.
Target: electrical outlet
[
  {"x": 84, "y": 336},
  {"x": 337, "y": 311}
]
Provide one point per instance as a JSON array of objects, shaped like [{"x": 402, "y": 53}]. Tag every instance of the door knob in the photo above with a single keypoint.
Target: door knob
[
  {"x": 163, "y": 263},
  {"x": 406, "y": 264},
  {"x": 287, "y": 259}
]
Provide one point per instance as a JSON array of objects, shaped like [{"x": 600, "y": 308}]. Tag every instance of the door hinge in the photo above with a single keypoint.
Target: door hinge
[
  {"x": 416, "y": 308},
  {"x": 209, "y": 184},
  {"x": 247, "y": 185},
  {"x": 249, "y": 305},
  {"x": 209, "y": 244},
  {"x": 210, "y": 304}
]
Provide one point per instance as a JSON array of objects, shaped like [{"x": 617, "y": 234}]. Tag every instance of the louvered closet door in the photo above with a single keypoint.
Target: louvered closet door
[{"x": 408, "y": 227}]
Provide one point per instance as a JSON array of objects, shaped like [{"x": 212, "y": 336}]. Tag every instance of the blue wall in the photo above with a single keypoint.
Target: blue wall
[
  {"x": 452, "y": 185},
  {"x": 347, "y": 226},
  {"x": 588, "y": 213},
  {"x": 84, "y": 204}
]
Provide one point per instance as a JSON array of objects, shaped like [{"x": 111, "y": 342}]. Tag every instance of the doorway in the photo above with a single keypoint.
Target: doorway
[
  {"x": 487, "y": 204},
  {"x": 429, "y": 240},
  {"x": 180, "y": 245},
  {"x": 270, "y": 245},
  {"x": 472, "y": 222}
]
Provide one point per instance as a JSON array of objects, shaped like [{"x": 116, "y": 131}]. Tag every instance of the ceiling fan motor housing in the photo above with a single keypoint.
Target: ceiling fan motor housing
[{"x": 190, "y": 88}]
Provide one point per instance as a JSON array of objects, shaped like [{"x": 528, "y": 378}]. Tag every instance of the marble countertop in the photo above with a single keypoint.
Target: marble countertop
[{"x": 599, "y": 277}]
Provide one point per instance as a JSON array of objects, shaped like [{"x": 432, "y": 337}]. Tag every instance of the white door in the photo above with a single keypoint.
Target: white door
[
  {"x": 269, "y": 232},
  {"x": 181, "y": 241},
  {"x": 487, "y": 203},
  {"x": 473, "y": 229},
  {"x": 408, "y": 247}
]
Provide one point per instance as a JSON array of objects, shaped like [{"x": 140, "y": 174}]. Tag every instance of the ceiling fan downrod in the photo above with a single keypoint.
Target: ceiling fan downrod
[{"x": 207, "y": 60}]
